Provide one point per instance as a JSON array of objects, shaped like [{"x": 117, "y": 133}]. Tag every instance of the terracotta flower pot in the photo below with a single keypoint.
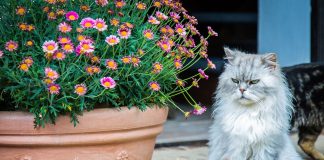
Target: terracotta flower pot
[{"x": 102, "y": 134}]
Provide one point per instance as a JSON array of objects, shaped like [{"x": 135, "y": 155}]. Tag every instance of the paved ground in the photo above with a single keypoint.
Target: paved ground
[{"x": 200, "y": 152}]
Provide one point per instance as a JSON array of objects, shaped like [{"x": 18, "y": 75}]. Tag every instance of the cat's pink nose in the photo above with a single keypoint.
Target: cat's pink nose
[{"x": 242, "y": 90}]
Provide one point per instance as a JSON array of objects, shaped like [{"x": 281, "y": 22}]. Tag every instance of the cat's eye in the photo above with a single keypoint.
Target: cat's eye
[
  {"x": 254, "y": 81},
  {"x": 235, "y": 80}
]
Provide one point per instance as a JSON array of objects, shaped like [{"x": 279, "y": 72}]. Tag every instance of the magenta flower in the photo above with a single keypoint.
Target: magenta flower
[
  {"x": 86, "y": 46},
  {"x": 54, "y": 88},
  {"x": 87, "y": 22},
  {"x": 72, "y": 16},
  {"x": 148, "y": 34},
  {"x": 59, "y": 55},
  {"x": 68, "y": 47},
  {"x": 108, "y": 82},
  {"x": 198, "y": 110},
  {"x": 178, "y": 64},
  {"x": 164, "y": 45},
  {"x": 202, "y": 74}
]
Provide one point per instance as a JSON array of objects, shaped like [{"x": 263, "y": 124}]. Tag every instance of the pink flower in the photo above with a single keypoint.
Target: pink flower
[
  {"x": 54, "y": 88},
  {"x": 87, "y": 23},
  {"x": 153, "y": 20},
  {"x": 108, "y": 82},
  {"x": 161, "y": 16},
  {"x": 177, "y": 64},
  {"x": 154, "y": 86},
  {"x": 50, "y": 73},
  {"x": 68, "y": 47},
  {"x": 112, "y": 40},
  {"x": 148, "y": 34},
  {"x": 212, "y": 32},
  {"x": 198, "y": 110},
  {"x": 135, "y": 61},
  {"x": 64, "y": 40},
  {"x": 86, "y": 46},
  {"x": 120, "y": 3},
  {"x": 28, "y": 60},
  {"x": 11, "y": 46},
  {"x": 80, "y": 89},
  {"x": 175, "y": 16},
  {"x": 64, "y": 27},
  {"x": 100, "y": 25},
  {"x": 111, "y": 64},
  {"x": 124, "y": 33},
  {"x": 72, "y": 16},
  {"x": 50, "y": 46},
  {"x": 211, "y": 64},
  {"x": 202, "y": 74},
  {"x": 101, "y": 3},
  {"x": 164, "y": 45},
  {"x": 180, "y": 30},
  {"x": 1, "y": 54},
  {"x": 157, "y": 67}
]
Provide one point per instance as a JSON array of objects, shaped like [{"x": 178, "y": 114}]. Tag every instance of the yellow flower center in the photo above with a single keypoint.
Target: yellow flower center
[
  {"x": 85, "y": 46},
  {"x": 29, "y": 43},
  {"x": 64, "y": 28},
  {"x": 165, "y": 46},
  {"x": 72, "y": 17},
  {"x": 21, "y": 11},
  {"x": 59, "y": 55},
  {"x": 119, "y": 4},
  {"x": 50, "y": 74},
  {"x": 112, "y": 40},
  {"x": 114, "y": 22},
  {"x": 50, "y": 47},
  {"x": 107, "y": 84},
  {"x": 24, "y": 67},
  {"x": 126, "y": 60},
  {"x": 88, "y": 24},
  {"x": 53, "y": 88},
  {"x": 51, "y": 14},
  {"x": 154, "y": 86},
  {"x": 158, "y": 67},
  {"x": 67, "y": 47},
  {"x": 80, "y": 38},
  {"x": 47, "y": 81},
  {"x": 11, "y": 46},
  {"x": 180, "y": 30},
  {"x": 64, "y": 40},
  {"x": 111, "y": 64},
  {"x": 80, "y": 89},
  {"x": 148, "y": 35},
  {"x": 99, "y": 25},
  {"x": 28, "y": 61}
]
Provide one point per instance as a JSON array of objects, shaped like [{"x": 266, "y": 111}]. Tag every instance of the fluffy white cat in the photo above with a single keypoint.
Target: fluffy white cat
[{"x": 252, "y": 110}]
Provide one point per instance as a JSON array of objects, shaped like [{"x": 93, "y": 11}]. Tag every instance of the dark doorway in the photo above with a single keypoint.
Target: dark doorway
[{"x": 317, "y": 39}]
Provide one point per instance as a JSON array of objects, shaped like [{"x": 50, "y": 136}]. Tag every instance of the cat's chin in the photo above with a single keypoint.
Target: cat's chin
[{"x": 246, "y": 102}]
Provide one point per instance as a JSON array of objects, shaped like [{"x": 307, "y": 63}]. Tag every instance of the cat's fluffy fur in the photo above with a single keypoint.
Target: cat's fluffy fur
[{"x": 253, "y": 125}]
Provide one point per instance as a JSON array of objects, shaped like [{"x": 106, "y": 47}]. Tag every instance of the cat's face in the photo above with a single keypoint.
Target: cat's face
[{"x": 248, "y": 78}]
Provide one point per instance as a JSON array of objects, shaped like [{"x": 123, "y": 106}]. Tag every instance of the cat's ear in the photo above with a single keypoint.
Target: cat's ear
[
  {"x": 229, "y": 54},
  {"x": 270, "y": 60}
]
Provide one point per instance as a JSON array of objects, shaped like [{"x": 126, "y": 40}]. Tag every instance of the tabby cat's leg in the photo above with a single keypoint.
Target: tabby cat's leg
[{"x": 307, "y": 139}]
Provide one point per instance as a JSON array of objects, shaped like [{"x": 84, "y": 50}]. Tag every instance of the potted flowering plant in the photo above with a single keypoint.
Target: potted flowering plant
[{"x": 65, "y": 57}]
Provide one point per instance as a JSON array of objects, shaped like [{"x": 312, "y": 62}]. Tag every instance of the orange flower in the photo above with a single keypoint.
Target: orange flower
[
  {"x": 154, "y": 86},
  {"x": 157, "y": 4},
  {"x": 80, "y": 89},
  {"x": 22, "y": 26},
  {"x": 114, "y": 22},
  {"x": 141, "y": 5},
  {"x": 21, "y": 11},
  {"x": 29, "y": 43},
  {"x": 24, "y": 67},
  {"x": 51, "y": 15},
  {"x": 85, "y": 8}
]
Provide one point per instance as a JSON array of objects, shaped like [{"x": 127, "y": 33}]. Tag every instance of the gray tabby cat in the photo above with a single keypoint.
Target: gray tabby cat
[{"x": 252, "y": 110}]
